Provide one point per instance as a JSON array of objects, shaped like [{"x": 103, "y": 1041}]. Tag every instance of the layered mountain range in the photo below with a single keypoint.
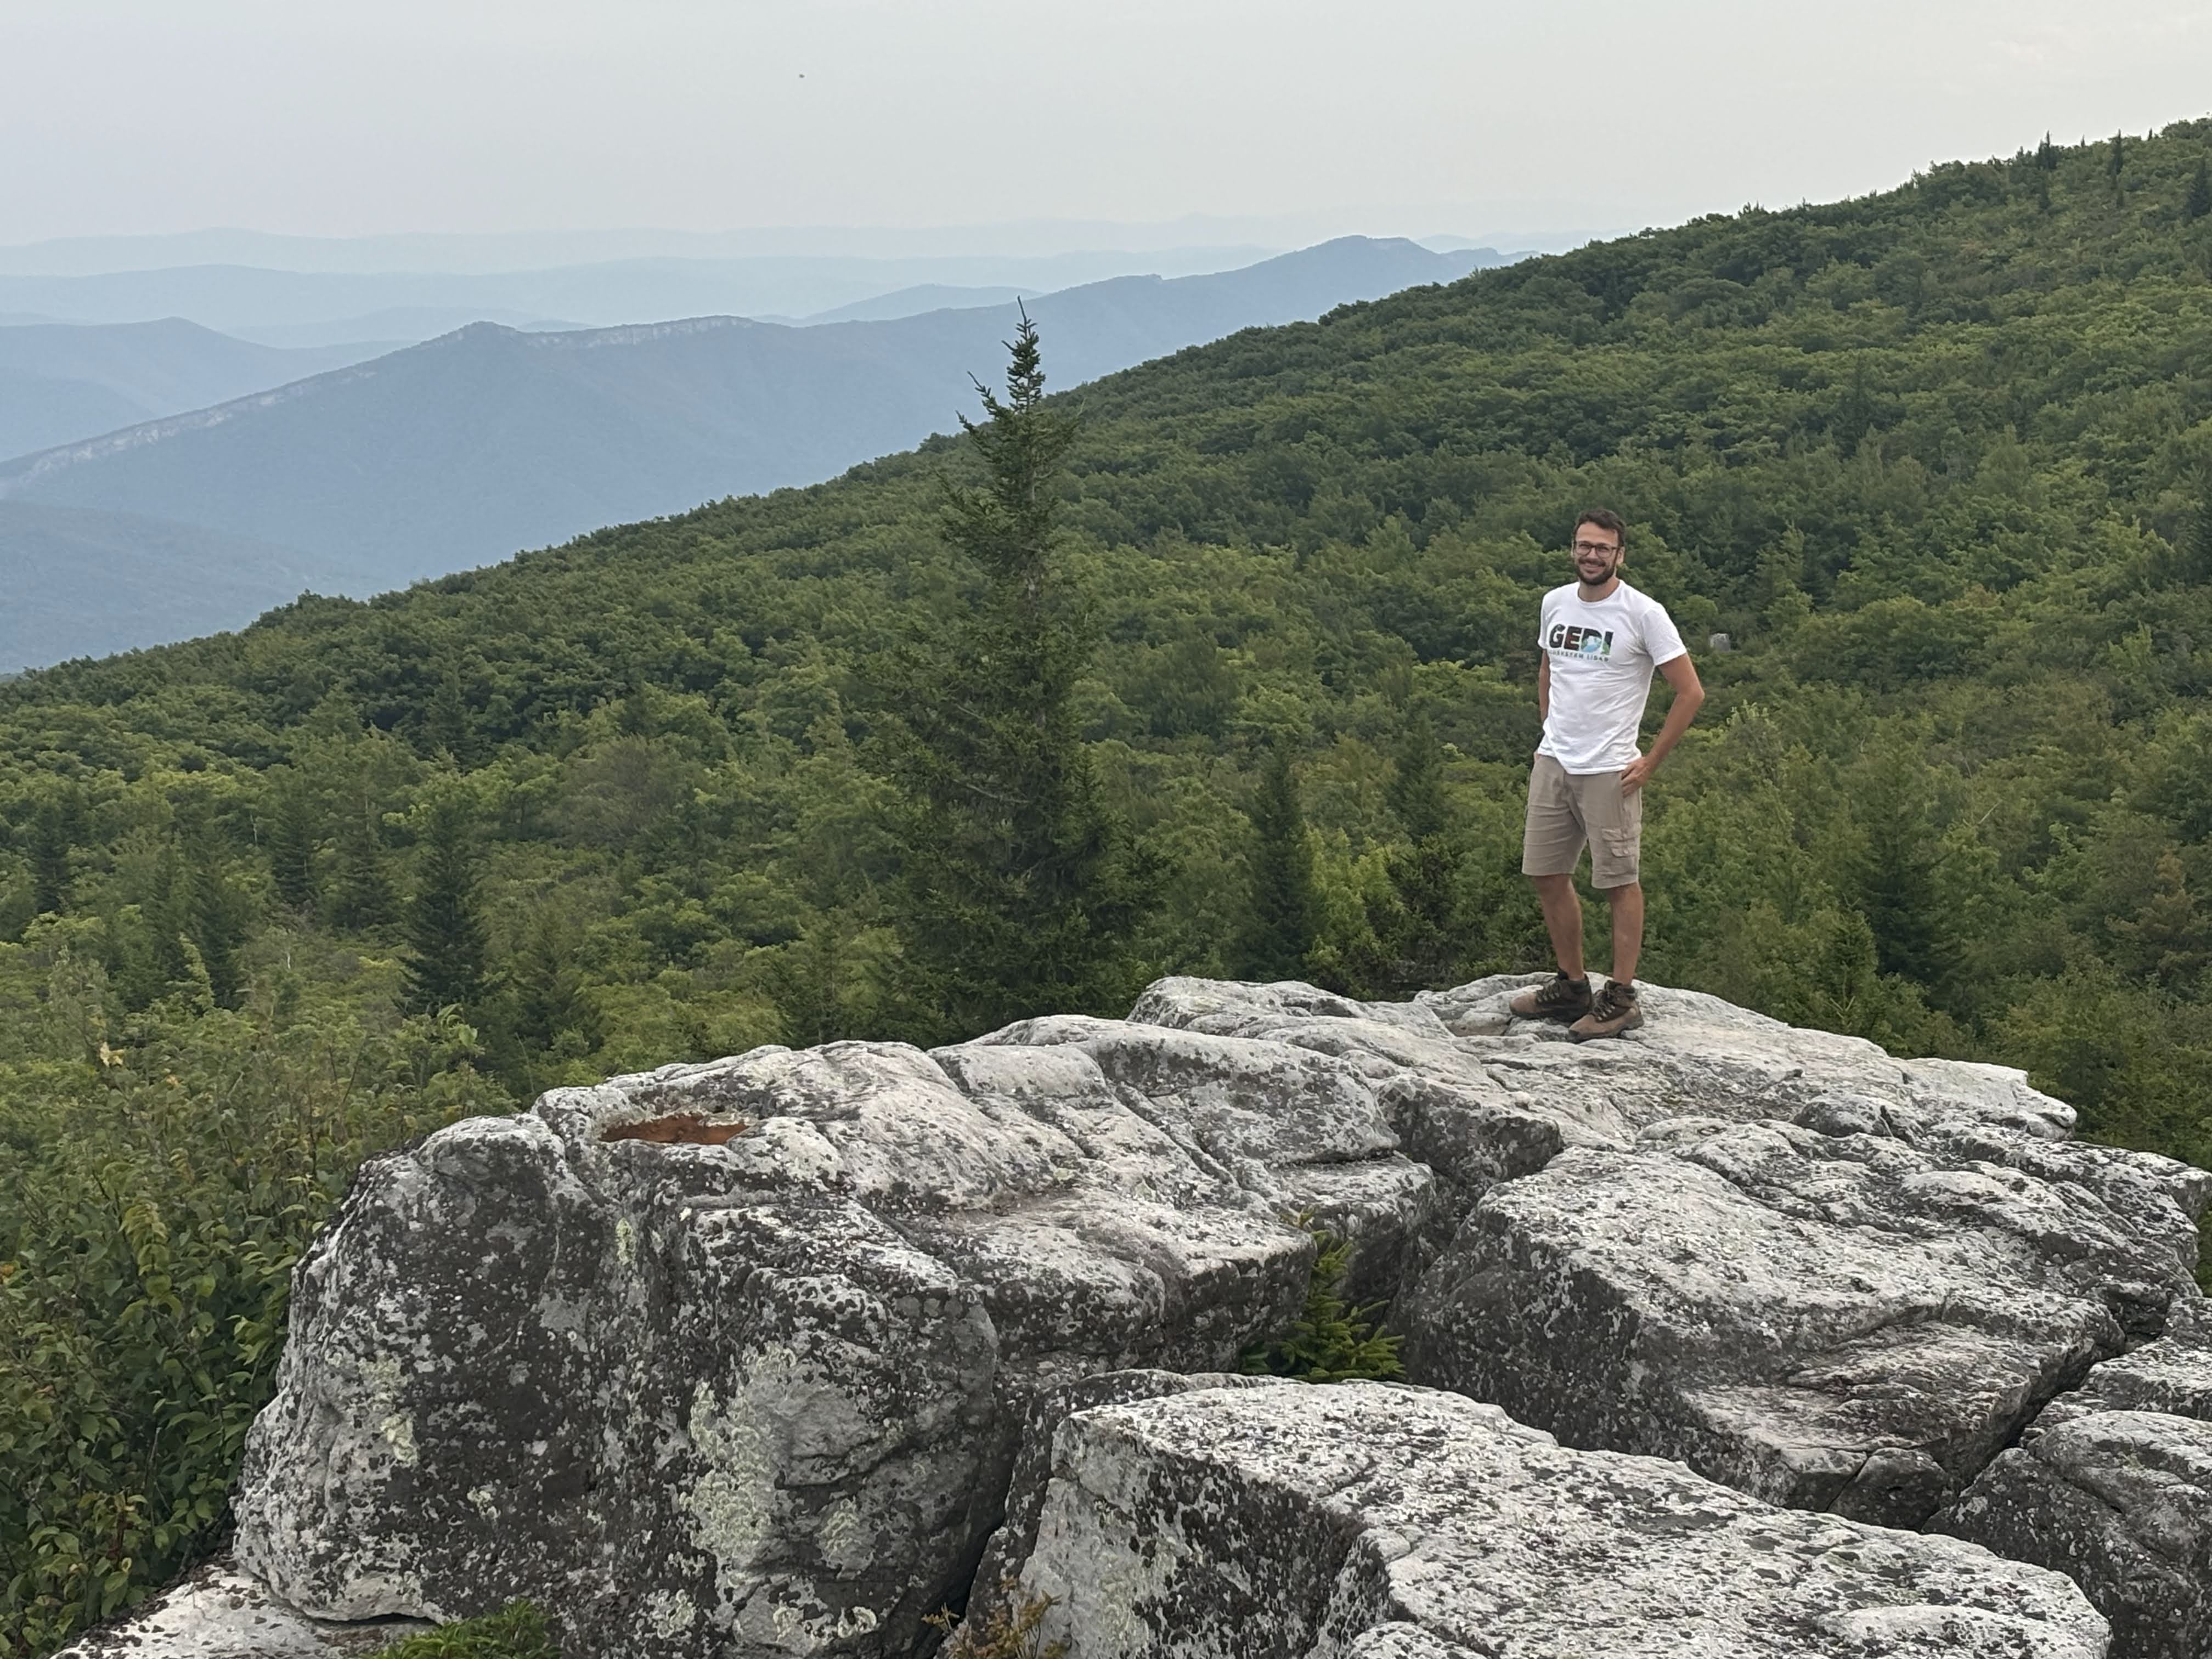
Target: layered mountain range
[{"x": 467, "y": 447}]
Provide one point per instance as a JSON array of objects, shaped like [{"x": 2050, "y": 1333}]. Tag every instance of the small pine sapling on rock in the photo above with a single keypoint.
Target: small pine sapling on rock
[{"x": 1332, "y": 1341}]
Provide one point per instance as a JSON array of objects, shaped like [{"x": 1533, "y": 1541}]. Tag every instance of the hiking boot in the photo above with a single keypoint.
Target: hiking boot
[
  {"x": 1613, "y": 1010},
  {"x": 1561, "y": 998}
]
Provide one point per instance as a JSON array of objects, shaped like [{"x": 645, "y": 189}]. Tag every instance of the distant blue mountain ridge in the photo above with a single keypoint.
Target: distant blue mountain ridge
[{"x": 464, "y": 449}]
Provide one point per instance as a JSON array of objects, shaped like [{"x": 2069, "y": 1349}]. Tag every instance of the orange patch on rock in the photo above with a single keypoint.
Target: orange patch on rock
[{"x": 678, "y": 1128}]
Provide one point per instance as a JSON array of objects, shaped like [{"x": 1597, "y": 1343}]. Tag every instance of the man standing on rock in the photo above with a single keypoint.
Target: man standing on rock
[{"x": 1598, "y": 641}]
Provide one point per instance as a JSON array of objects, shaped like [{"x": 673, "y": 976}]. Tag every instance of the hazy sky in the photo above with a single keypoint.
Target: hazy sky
[{"x": 336, "y": 117}]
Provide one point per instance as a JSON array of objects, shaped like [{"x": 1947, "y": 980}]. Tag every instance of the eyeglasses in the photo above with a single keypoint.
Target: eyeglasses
[{"x": 1582, "y": 547}]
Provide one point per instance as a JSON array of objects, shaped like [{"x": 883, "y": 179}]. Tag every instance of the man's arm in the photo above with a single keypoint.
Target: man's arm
[
  {"x": 1689, "y": 696},
  {"x": 1543, "y": 686}
]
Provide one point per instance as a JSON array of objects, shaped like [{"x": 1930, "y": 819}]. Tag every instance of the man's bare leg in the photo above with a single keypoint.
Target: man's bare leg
[
  {"x": 1627, "y": 904},
  {"x": 1563, "y": 920}
]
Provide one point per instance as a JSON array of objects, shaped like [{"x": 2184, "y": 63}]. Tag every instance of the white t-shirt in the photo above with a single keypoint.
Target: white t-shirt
[{"x": 1602, "y": 653}]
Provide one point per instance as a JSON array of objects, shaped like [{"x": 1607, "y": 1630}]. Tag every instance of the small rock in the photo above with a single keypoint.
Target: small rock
[{"x": 218, "y": 1612}]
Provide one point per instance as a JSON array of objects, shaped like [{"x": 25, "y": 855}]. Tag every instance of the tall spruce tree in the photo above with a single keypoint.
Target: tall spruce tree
[
  {"x": 1914, "y": 936},
  {"x": 444, "y": 960},
  {"x": 1280, "y": 933},
  {"x": 360, "y": 893},
  {"x": 293, "y": 839},
  {"x": 2199, "y": 202},
  {"x": 56, "y": 826},
  {"x": 1422, "y": 932},
  {"x": 1020, "y": 890},
  {"x": 2196, "y": 546}
]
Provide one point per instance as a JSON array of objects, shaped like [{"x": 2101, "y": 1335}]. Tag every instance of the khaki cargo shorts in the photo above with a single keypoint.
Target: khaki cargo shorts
[{"x": 1567, "y": 809}]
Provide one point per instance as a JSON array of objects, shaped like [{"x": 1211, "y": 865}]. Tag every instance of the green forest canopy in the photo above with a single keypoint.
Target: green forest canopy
[{"x": 1935, "y": 460}]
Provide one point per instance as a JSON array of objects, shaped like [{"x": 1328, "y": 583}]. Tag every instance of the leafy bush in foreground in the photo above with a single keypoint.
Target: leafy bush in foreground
[{"x": 159, "y": 1175}]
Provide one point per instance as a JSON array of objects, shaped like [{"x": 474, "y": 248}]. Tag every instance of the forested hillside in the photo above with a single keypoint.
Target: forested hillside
[{"x": 1935, "y": 461}]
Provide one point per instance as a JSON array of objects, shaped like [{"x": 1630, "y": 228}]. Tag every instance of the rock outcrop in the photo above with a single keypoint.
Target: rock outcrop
[
  {"x": 735, "y": 1359},
  {"x": 762, "y": 1396},
  {"x": 219, "y": 1613},
  {"x": 1826, "y": 1277},
  {"x": 1370, "y": 1520},
  {"x": 2113, "y": 1486}
]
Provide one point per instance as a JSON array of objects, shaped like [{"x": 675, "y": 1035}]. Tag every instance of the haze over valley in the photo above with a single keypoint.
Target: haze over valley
[{"x": 172, "y": 480}]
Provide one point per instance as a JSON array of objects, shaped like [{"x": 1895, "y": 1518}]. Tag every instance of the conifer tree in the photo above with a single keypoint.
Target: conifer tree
[
  {"x": 2197, "y": 547},
  {"x": 360, "y": 892},
  {"x": 1416, "y": 794},
  {"x": 444, "y": 962},
  {"x": 1913, "y": 936},
  {"x": 200, "y": 921},
  {"x": 293, "y": 839},
  {"x": 55, "y": 828},
  {"x": 1020, "y": 888},
  {"x": 448, "y": 724},
  {"x": 2199, "y": 202},
  {"x": 1280, "y": 931},
  {"x": 2046, "y": 154},
  {"x": 545, "y": 988},
  {"x": 1421, "y": 930}
]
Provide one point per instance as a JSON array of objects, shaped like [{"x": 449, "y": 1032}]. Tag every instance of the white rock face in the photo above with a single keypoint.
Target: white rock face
[
  {"x": 763, "y": 1396},
  {"x": 1827, "y": 1276},
  {"x": 2113, "y": 1485},
  {"x": 1370, "y": 1520},
  {"x": 219, "y": 1613}
]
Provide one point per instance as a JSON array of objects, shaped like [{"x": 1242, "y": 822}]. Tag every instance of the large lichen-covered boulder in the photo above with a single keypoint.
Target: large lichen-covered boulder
[
  {"x": 1833, "y": 1321},
  {"x": 2113, "y": 1486},
  {"x": 732, "y": 1359},
  {"x": 1828, "y": 1277},
  {"x": 1372, "y": 1520}
]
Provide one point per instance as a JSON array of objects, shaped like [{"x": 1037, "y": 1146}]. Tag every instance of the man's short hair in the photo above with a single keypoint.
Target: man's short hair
[{"x": 1605, "y": 518}]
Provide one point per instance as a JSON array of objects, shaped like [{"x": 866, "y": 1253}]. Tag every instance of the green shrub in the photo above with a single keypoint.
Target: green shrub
[
  {"x": 1012, "y": 1630},
  {"x": 517, "y": 1631},
  {"x": 1332, "y": 1341},
  {"x": 155, "y": 1192}
]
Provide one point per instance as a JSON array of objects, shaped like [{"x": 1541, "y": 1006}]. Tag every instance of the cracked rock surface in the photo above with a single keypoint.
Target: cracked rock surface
[
  {"x": 750, "y": 1378},
  {"x": 1372, "y": 1520},
  {"x": 1829, "y": 1278},
  {"x": 761, "y": 1397},
  {"x": 2113, "y": 1485}
]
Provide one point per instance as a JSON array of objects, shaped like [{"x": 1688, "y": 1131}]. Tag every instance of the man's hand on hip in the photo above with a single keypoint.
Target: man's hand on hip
[{"x": 1637, "y": 772}]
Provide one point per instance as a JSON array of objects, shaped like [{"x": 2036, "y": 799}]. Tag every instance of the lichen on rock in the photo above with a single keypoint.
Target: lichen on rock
[
  {"x": 766, "y": 1393},
  {"x": 1376, "y": 1519}
]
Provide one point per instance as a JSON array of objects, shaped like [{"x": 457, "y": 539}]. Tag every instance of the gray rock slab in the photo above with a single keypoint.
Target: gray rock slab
[
  {"x": 1511, "y": 1080},
  {"x": 1841, "y": 1322},
  {"x": 762, "y": 1397},
  {"x": 1374, "y": 1520},
  {"x": 219, "y": 1613},
  {"x": 1017, "y": 1536},
  {"x": 2113, "y": 1486}
]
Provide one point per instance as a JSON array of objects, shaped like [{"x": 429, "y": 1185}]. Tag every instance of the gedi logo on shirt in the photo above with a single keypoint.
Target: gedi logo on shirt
[{"x": 1588, "y": 641}]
